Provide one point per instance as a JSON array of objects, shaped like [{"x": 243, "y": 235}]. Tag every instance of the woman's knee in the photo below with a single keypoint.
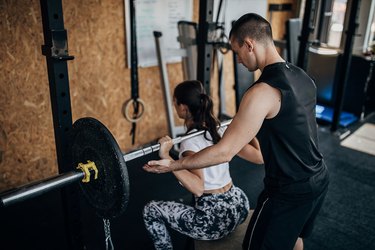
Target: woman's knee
[{"x": 151, "y": 210}]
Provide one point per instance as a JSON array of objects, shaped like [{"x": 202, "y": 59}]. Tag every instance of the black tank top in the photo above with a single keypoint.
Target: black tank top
[{"x": 289, "y": 141}]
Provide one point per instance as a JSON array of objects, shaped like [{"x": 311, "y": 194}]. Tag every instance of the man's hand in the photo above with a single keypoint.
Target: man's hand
[{"x": 161, "y": 166}]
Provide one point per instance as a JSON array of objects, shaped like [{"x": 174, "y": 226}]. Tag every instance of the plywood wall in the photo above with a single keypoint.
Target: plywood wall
[
  {"x": 26, "y": 141},
  {"x": 278, "y": 18},
  {"x": 99, "y": 84}
]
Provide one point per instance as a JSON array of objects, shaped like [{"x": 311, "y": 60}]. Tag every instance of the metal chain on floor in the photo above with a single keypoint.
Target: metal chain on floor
[{"x": 107, "y": 231}]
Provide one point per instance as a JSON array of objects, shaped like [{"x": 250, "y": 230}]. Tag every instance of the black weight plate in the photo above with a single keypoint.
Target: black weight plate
[{"x": 109, "y": 193}]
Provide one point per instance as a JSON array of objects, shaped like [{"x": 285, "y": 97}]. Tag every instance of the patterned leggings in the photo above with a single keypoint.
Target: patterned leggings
[{"x": 213, "y": 217}]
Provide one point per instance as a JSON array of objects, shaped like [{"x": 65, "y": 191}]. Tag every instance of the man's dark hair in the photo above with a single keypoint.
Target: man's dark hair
[{"x": 251, "y": 25}]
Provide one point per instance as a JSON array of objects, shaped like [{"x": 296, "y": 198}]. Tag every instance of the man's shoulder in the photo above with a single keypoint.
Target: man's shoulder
[{"x": 259, "y": 88}]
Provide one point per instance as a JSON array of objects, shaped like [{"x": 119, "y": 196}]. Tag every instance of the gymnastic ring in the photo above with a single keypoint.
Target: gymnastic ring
[{"x": 126, "y": 106}]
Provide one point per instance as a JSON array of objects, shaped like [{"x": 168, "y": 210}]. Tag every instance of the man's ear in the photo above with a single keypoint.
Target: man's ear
[{"x": 249, "y": 44}]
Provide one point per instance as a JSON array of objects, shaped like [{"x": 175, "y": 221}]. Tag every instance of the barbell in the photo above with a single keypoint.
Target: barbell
[{"x": 101, "y": 169}]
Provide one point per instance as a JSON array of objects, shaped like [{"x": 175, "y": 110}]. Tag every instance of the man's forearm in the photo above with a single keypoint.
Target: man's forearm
[{"x": 204, "y": 158}]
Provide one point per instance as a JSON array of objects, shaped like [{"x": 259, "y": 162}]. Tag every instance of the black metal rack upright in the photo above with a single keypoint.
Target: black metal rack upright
[
  {"x": 205, "y": 49},
  {"x": 56, "y": 51},
  {"x": 307, "y": 28},
  {"x": 344, "y": 65}
]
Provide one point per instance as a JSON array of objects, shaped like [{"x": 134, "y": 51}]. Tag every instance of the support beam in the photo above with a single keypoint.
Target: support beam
[
  {"x": 205, "y": 49},
  {"x": 345, "y": 62},
  {"x": 307, "y": 28},
  {"x": 55, "y": 49}
]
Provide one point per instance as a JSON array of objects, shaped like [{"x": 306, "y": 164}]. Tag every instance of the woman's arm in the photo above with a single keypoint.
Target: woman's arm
[
  {"x": 251, "y": 152},
  {"x": 192, "y": 180}
]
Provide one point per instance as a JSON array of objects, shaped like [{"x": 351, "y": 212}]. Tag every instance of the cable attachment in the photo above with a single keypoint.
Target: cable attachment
[{"x": 86, "y": 168}]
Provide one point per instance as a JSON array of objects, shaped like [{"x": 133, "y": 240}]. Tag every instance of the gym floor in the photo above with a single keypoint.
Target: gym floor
[{"x": 345, "y": 221}]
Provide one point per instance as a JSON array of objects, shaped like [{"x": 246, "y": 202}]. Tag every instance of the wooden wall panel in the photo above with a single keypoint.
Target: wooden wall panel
[
  {"x": 278, "y": 18},
  {"x": 27, "y": 144},
  {"x": 99, "y": 84}
]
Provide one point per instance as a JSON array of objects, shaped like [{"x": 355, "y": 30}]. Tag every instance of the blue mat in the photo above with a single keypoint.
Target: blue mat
[{"x": 326, "y": 114}]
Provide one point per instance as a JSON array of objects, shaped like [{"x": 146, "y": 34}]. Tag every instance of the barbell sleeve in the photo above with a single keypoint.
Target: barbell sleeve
[
  {"x": 39, "y": 187},
  {"x": 148, "y": 150}
]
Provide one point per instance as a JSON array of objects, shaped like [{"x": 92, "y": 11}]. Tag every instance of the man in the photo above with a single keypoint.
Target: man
[{"x": 279, "y": 108}]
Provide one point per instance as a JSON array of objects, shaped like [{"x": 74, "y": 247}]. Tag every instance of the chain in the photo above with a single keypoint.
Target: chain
[{"x": 107, "y": 231}]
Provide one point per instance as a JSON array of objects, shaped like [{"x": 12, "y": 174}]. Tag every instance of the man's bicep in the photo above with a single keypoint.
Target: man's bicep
[{"x": 253, "y": 109}]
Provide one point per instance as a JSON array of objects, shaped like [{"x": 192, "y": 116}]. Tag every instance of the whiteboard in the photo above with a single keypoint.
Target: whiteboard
[
  {"x": 156, "y": 15},
  {"x": 163, "y": 15},
  {"x": 231, "y": 10}
]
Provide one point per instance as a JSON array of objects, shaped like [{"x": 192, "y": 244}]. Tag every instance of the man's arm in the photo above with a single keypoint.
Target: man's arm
[{"x": 259, "y": 102}]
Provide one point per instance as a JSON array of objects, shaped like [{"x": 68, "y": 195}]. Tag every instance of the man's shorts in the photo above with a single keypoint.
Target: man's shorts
[{"x": 278, "y": 221}]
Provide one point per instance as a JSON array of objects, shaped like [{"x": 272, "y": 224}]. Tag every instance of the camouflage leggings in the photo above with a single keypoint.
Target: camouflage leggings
[{"x": 213, "y": 217}]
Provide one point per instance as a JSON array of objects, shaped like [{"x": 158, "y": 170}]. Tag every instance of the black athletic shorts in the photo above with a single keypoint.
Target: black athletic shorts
[{"x": 278, "y": 220}]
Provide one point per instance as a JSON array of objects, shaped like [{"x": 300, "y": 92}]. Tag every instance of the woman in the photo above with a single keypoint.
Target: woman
[{"x": 219, "y": 205}]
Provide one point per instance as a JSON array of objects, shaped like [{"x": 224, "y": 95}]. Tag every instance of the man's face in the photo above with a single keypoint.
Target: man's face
[{"x": 245, "y": 53}]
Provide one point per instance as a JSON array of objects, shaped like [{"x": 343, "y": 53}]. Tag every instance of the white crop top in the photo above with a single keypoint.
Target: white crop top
[{"x": 216, "y": 176}]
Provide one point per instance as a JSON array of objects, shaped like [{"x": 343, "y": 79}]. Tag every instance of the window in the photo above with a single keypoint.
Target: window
[
  {"x": 328, "y": 21},
  {"x": 336, "y": 24}
]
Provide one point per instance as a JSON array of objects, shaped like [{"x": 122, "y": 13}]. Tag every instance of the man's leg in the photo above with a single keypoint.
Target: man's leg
[{"x": 276, "y": 224}]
